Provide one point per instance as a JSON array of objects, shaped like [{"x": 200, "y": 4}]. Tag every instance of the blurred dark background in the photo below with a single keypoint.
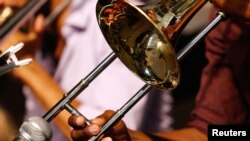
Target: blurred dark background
[{"x": 191, "y": 66}]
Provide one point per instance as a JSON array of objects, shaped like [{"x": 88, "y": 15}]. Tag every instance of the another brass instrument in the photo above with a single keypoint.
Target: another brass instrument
[
  {"x": 11, "y": 18},
  {"x": 5, "y": 14}
]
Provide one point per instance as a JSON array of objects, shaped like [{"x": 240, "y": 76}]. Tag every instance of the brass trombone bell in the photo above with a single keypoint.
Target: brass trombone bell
[{"x": 139, "y": 43}]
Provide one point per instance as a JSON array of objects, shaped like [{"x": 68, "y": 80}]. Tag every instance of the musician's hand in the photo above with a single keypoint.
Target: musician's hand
[
  {"x": 31, "y": 40},
  {"x": 83, "y": 132},
  {"x": 236, "y": 8}
]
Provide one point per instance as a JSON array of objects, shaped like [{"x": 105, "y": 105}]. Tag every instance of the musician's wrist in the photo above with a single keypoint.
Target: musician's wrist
[{"x": 26, "y": 73}]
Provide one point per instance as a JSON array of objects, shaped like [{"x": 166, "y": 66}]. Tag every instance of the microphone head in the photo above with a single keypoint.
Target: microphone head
[{"x": 35, "y": 129}]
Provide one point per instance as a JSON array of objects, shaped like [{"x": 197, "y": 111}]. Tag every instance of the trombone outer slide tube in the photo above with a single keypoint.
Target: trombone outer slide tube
[
  {"x": 122, "y": 111},
  {"x": 146, "y": 88},
  {"x": 221, "y": 16}
]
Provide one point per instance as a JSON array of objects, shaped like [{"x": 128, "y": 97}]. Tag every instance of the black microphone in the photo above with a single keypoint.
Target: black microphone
[{"x": 35, "y": 129}]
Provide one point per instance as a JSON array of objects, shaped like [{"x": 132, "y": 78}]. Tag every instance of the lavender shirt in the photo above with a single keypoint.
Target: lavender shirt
[{"x": 85, "y": 49}]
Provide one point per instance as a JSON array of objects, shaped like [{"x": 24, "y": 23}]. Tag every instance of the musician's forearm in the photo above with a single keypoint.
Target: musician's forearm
[{"x": 45, "y": 89}]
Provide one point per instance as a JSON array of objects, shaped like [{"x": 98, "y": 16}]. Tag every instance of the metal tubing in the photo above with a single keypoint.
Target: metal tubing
[{"x": 142, "y": 92}]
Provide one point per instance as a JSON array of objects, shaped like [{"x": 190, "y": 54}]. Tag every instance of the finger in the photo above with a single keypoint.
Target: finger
[
  {"x": 37, "y": 28},
  {"x": 76, "y": 121},
  {"x": 77, "y": 135},
  {"x": 100, "y": 121},
  {"x": 107, "y": 115},
  {"x": 107, "y": 139},
  {"x": 88, "y": 132},
  {"x": 119, "y": 130},
  {"x": 91, "y": 130},
  {"x": 39, "y": 24}
]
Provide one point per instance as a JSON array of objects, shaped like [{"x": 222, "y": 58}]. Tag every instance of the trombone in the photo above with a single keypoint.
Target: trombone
[
  {"x": 168, "y": 17},
  {"x": 142, "y": 38}
]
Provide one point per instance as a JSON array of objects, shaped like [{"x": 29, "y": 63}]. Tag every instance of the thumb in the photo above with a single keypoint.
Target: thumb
[
  {"x": 39, "y": 24},
  {"x": 38, "y": 27}
]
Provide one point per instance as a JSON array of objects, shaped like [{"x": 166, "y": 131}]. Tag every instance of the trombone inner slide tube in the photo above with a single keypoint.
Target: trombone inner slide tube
[{"x": 77, "y": 89}]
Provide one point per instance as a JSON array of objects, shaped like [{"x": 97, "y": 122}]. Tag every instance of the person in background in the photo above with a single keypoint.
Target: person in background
[
  {"x": 224, "y": 94},
  {"x": 80, "y": 47},
  {"x": 7, "y": 126}
]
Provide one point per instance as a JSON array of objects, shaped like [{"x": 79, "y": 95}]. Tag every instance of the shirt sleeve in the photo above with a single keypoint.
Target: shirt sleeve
[{"x": 220, "y": 99}]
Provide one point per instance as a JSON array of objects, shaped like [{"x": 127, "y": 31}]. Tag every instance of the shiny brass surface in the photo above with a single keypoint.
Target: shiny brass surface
[
  {"x": 5, "y": 14},
  {"x": 8, "y": 10},
  {"x": 143, "y": 37},
  {"x": 171, "y": 16},
  {"x": 138, "y": 43}
]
